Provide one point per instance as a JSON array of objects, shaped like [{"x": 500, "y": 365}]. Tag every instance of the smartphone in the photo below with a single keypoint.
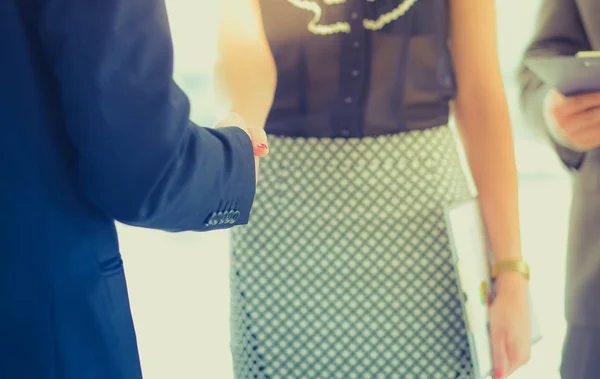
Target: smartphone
[{"x": 569, "y": 75}]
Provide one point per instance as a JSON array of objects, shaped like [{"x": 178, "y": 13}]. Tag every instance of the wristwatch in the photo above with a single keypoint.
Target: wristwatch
[{"x": 517, "y": 265}]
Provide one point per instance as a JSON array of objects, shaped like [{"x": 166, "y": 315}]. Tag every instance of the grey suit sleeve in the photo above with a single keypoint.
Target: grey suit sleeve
[{"x": 559, "y": 31}]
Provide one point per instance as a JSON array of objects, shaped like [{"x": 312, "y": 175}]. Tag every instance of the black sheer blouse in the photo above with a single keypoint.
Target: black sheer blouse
[{"x": 354, "y": 68}]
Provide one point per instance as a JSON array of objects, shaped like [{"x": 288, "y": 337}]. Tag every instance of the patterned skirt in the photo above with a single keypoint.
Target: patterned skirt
[{"x": 344, "y": 270}]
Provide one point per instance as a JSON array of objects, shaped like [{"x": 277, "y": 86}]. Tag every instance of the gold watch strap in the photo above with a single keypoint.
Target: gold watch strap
[{"x": 519, "y": 266}]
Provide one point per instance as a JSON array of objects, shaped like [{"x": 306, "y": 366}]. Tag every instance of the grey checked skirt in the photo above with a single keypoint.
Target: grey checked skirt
[{"x": 345, "y": 270}]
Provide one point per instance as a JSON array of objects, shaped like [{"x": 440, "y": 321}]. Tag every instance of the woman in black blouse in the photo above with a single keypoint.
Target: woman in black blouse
[{"x": 345, "y": 269}]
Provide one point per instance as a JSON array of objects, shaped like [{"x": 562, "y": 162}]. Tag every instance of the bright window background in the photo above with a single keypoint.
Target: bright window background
[{"x": 179, "y": 282}]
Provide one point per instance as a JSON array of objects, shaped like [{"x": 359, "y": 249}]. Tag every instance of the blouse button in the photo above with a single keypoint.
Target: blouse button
[
  {"x": 354, "y": 15},
  {"x": 356, "y": 44},
  {"x": 355, "y": 73},
  {"x": 348, "y": 100},
  {"x": 345, "y": 132}
]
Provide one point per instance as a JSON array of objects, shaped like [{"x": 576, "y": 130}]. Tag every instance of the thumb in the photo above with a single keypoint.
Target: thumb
[
  {"x": 259, "y": 142},
  {"x": 499, "y": 356}
]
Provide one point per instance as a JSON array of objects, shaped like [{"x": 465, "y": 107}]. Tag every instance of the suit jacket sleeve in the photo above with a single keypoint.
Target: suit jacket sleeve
[
  {"x": 559, "y": 31},
  {"x": 140, "y": 159}
]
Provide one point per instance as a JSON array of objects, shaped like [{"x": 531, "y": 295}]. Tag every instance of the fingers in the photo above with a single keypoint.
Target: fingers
[
  {"x": 577, "y": 118},
  {"x": 518, "y": 353},
  {"x": 584, "y": 138},
  {"x": 499, "y": 355},
  {"x": 259, "y": 142},
  {"x": 585, "y": 119},
  {"x": 572, "y": 105},
  {"x": 257, "y": 135},
  {"x": 509, "y": 351}
]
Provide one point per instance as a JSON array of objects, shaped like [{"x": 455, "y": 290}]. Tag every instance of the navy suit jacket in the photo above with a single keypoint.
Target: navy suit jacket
[{"x": 92, "y": 130}]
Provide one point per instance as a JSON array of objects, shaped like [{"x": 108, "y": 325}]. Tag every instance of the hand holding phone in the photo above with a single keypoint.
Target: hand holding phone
[{"x": 574, "y": 120}]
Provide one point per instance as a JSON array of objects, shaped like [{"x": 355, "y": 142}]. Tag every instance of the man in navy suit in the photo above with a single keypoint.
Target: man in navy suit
[{"x": 92, "y": 130}]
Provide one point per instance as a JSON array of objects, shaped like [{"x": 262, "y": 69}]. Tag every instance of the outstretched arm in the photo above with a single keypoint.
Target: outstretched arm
[{"x": 140, "y": 159}]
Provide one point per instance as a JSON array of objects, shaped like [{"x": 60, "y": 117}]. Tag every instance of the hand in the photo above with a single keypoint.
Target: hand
[
  {"x": 574, "y": 120},
  {"x": 257, "y": 136},
  {"x": 510, "y": 324}
]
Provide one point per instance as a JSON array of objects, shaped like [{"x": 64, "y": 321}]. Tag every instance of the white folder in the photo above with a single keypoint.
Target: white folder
[{"x": 472, "y": 259}]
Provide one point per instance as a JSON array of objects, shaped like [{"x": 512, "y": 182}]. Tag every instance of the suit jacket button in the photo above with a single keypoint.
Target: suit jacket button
[
  {"x": 229, "y": 218},
  {"x": 210, "y": 221},
  {"x": 219, "y": 218}
]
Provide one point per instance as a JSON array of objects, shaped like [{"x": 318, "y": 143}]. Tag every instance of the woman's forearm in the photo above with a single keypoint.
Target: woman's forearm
[
  {"x": 483, "y": 120},
  {"x": 246, "y": 86},
  {"x": 245, "y": 73},
  {"x": 487, "y": 137}
]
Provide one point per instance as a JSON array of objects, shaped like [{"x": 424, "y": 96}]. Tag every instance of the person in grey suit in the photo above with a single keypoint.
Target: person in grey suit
[{"x": 573, "y": 127}]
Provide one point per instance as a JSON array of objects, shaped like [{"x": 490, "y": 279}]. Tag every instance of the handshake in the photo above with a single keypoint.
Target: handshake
[{"x": 257, "y": 136}]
